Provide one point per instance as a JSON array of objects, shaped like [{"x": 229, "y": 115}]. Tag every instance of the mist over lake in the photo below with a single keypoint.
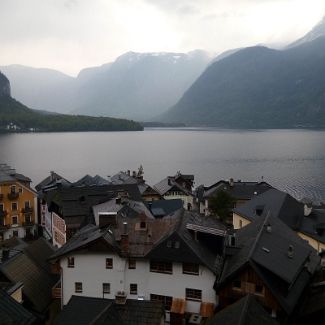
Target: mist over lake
[{"x": 291, "y": 160}]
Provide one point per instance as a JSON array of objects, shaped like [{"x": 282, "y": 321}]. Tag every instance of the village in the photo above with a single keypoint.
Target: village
[{"x": 117, "y": 250}]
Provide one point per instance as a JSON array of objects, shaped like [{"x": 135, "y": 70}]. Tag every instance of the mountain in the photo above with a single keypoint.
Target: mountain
[
  {"x": 43, "y": 89},
  {"x": 15, "y": 116},
  {"x": 317, "y": 31},
  {"x": 258, "y": 87},
  {"x": 139, "y": 85}
]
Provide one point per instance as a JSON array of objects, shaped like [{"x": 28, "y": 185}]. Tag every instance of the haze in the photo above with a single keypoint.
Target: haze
[{"x": 73, "y": 34}]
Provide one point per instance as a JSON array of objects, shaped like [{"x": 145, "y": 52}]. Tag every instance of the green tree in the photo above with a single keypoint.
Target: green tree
[{"x": 221, "y": 205}]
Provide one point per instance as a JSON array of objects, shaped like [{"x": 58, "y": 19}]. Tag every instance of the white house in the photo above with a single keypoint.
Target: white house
[{"x": 148, "y": 259}]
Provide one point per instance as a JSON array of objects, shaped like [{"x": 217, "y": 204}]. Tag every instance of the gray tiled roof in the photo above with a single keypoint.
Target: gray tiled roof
[
  {"x": 52, "y": 179},
  {"x": 240, "y": 190},
  {"x": 88, "y": 180},
  {"x": 164, "y": 207},
  {"x": 246, "y": 311},
  {"x": 13, "y": 313},
  {"x": 168, "y": 184},
  {"x": 188, "y": 250},
  {"x": 264, "y": 245},
  {"x": 279, "y": 204},
  {"x": 97, "y": 311},
  {"x": 8, "y": 174}
]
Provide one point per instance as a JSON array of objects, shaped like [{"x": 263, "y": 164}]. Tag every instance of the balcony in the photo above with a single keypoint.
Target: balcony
[
  {"x": 27, "y": 210},
  {"x": 28, "y": 223},
  {"x": 13, "y": 195},
  {"x": 56, "y": 290}
]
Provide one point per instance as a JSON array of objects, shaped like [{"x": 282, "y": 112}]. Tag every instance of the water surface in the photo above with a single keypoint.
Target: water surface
[{"x": 292, "y": 160}]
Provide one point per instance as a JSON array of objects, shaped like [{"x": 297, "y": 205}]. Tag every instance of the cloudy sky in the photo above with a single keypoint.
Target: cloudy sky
[{"x": 69, "y": 35}]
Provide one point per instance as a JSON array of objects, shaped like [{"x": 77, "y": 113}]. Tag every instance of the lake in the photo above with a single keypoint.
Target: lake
[{"x": 291, "y": 160}]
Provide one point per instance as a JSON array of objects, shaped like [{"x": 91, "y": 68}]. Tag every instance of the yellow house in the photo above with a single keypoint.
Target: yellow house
[
  {"x": 307, "y": 222},
  {"x": 18, "y": 205}
]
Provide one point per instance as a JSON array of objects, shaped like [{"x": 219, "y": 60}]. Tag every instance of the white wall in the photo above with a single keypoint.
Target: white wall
[{"x": 91, "y": 271}]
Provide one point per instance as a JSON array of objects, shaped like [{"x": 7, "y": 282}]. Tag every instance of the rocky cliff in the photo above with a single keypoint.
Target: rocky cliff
[{"x": 4, "y": 86}]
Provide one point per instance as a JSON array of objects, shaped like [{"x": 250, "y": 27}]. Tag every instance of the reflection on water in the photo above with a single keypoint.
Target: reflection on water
[{"x": 292, "y": 160}]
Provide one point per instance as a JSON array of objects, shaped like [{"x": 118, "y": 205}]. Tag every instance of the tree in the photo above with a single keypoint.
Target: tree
[{"x": 221, "y": 205}]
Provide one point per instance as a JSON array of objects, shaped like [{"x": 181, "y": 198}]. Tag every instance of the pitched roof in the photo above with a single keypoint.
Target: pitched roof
[
  {"x": 179, "y": 245},
  {"x": 279, "y": 204},
  {"x": 11, "y": 312},
  {"x": 168, "y": 184},
  {"x": 164, "y": 207},
  {"x": 52, "y": 179},
  {"x": 264, "y": 245},
  {"x": 239, "y": 190},
  {"x": 246, "y": 311},
  {"x": 8, "y": 174},
  {"x": 37, "y": 282},
  {"x": 88, "y": 180},
  {"x": 97, "y": 311}
]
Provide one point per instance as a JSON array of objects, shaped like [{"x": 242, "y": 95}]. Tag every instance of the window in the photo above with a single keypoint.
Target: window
[
  {"x": 177, "y": 244},
  {"x": 1, "y": 207},
  {"x": 169, "y": 243},
  {"x": 193, "y": 294},
  {"x": 240, "y": 223},
  {"x": 191, "y": 268},
  {"x": 27, "y": 218},
  {"x": 13, "y": 189},
  {"x": 132, "y": 263},
  {"x": 133, "y": 289},
  {"x": 109, "y": 263},
  {"x": 236, "y": 284},
  {"x": 14, "y": 220},
  {"x": 14, "y": 206},
  {"x": 78, "y": 287},
  {"x": 27, "y": 205},
  {"x": 259, "y": 288},
  {"x": 166, "y": 300},
  {"x": 70, "y": 261},
  {"x": 15, "y": 233},
  {"x": 106, "y": 288},
  {"x": 161, "y": 267},
  {"x": 20, "y": 190}
]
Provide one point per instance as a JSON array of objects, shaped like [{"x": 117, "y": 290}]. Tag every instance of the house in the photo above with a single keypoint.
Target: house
[
  {"x": 307, "y": 221},
  {"x": 12, "y": 312},
  {"x": 26, "y": 268},
  {"x": 70, "y": 208},
  {"x": 246, "y": 310},
  {"x": 18, "y": 205},
  {"x": 239, "y": 190},
  {"x": 147, "y": 192},
  {"x": 99, "y": 311},
  {"x": 267, "y": 259},
  {"x": 174, "y": 261},
  {"x": 177, "y": 187}
]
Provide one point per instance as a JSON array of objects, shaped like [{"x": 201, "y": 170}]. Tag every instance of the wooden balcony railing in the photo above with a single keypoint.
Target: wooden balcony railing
[
  {"x": 28, "y": 223},
  {"x": 56, "y": 290},
  {"x": 27, "y": 210},
  {"x": 13, "y": 195}
]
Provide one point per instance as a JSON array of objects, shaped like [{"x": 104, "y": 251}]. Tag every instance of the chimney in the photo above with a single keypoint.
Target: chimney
[
  {"x": 5, "y": 254},
  {"x": 307, "y": 209},
  {"x": 52, "y": 175},
  {"x": 231, "y": 182},
  {"x": 120, "y": 298},
  {"x": 134, "y": 174},
  {"x": 129, "y": 172},
  {"x": 125, "y": 239},
  {"x": 290, "y": 251}
]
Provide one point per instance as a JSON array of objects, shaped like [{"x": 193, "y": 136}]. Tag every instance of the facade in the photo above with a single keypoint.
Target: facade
[
  {"x": 18, "y": 205},
  {"x": 307, "y": 221},
  {"x": 177, "y": 187},
  {"x": 268, "y": 260},
  {"x": 158, "y": 260},
  {"x": 240, "y": 191}
]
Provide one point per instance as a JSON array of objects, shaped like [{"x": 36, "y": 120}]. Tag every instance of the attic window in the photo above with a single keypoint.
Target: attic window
[
  {"x": 236, "y": 284},
  {"x": 169, "y": 243},
  {"x": 177, "y": 244},
  {"x": 191, "y": 268},
  {"x": 143, "y": 225},
  {"x": 71, "y": 262}
]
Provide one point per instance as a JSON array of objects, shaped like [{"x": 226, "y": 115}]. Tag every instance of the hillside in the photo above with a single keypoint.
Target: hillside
[
  {"x": 259, "y": 88},
  {"x": 14, "y": 116}
]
